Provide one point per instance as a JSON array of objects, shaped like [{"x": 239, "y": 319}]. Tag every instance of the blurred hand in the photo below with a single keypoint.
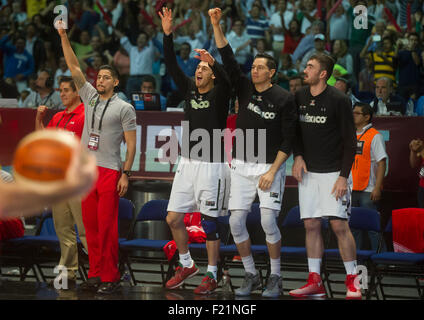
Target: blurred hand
[
  {"x": 215, "y": 15},
  {"x": 61, "y": 27},
  {"x": 41, "y": 112},
  {"x": 416, "y": 145},
  {"x": 205, "y": 56},
  {"x": 122, "y": 186},
  {"x": 166, "y": 17},
  {"x": 339, "y": 188},
  {"x": 266, "y": 180}
]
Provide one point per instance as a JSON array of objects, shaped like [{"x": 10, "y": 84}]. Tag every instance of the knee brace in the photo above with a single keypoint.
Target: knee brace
[
  {"x": 238, "y": 225},
  {"x": 269, "y": 224},
  {"x": 210, "y": 226}
]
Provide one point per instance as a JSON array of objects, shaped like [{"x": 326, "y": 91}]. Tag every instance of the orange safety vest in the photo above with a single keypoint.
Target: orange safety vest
[{"x": 361, "y": 168}]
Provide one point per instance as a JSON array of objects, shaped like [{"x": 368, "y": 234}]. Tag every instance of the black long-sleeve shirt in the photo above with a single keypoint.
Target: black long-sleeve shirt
[
  {"x": 326, "y": 133},
  {"x": 207, "y": 111},
  {"x": 273, "y": 110}
]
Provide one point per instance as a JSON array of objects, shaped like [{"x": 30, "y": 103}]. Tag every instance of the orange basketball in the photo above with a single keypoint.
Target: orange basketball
[{"x": 43, "y": 157}]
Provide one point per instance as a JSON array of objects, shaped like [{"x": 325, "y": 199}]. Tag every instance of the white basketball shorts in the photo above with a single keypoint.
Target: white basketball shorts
[{"x": 200, "y": 186}]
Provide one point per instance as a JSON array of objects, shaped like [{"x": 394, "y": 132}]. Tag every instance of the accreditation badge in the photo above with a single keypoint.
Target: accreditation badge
[{"x": 93, "y": 142}]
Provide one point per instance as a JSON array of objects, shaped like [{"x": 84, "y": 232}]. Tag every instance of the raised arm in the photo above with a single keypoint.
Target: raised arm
[
  {"x": 177, "y": 74},
  {"x": 70, "y": 57},
  {"x": 215, "y": 16}
]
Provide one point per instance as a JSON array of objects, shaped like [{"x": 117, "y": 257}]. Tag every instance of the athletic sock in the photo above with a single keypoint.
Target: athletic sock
[
  {"x": 275, "y": 266},
  {"x": 249, "y": 264},
  {"x": 350, "y": 267},
  {"x": 213, "y": 270},
  {"x": 185, "y": 260},
  {"x": 314, "y": 265}
]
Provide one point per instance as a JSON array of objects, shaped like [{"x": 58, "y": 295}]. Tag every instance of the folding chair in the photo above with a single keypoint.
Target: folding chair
[
  {"x": 363, "y": 219},
  {"x": 397, "y": 264},
  {"x": 134, "y": 249},
  {"x": 294, "y": 258}
]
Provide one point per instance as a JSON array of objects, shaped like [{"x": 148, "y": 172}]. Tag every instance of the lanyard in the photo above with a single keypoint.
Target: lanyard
[
  {"x": 45, "y": 101},
  {"x": 363, "y": 133},
  {"x": 94, "y": 113},
  {"x": 57, "y": 125}
]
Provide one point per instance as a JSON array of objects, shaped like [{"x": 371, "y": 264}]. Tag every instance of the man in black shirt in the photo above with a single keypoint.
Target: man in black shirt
[
  {"x": 269, "y": 112},
  {"x": 201, "y": 177},
  {"x": 324, "y": 152}
]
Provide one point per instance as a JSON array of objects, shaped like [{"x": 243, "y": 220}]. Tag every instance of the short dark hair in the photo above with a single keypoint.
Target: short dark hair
[
  {"x": 295, "y": 77},
  {"x": 68, "y": 80},
  {"x": 270, "y": 61},
  {"x": 113, "y": 71},
  {"x": 366, "y": 109},
  {"x": 326, "y": 62},
  {"x": 149, "y": 78}
]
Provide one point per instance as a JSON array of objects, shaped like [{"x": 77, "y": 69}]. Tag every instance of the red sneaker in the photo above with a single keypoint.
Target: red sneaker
[
  {"x": 314, "y": 287},
  {"x": 207, "y": 286},
  {"x": 352, "y": 293},
  {"x": 181, "y": 274},
  {"x": 236, "y": 258}
]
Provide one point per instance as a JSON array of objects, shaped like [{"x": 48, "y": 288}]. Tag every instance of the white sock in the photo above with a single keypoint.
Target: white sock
[
  {"x": 314, "y": 265},
  {"x": 185, "y": 260},
  {"x": 350, "y": 267},
  {"x": 249, "y": 264},
  {"x": 275, "y": 266},
  {"x": 213, "y": 270}
]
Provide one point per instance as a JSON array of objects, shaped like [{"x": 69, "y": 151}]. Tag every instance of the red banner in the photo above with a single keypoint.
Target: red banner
[{"x": 154, "y": 129}]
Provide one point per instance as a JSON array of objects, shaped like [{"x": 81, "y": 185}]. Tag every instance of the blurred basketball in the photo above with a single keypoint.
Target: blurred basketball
[{"x": 42, "y": 158}]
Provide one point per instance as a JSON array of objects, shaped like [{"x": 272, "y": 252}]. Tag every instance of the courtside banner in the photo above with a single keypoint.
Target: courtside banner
[{"x": 156, "y": 131}]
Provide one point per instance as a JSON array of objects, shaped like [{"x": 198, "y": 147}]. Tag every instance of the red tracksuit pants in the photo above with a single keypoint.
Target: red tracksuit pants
[{"x": 100, "y": 217}]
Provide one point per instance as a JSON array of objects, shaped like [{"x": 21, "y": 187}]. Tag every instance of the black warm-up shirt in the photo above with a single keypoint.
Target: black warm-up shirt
[
  {"x": 326, "y": 133},
  {"x": 206, "y": 111},
  {"x": 273, "y": 110}
]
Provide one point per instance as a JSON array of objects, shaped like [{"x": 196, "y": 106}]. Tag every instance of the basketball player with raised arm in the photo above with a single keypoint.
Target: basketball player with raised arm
[
  {"x": 262, "y": 106},
  {"x": 201, "y": 179}
]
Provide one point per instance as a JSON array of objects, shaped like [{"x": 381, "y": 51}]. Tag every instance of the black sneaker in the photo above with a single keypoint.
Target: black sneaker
[
  {"x": 92, "y": 284},
  {"x": 109, "y": 287}
]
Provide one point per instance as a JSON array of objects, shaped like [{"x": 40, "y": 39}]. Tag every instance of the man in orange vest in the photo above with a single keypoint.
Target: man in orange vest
[{"x": 368, "y": 168}]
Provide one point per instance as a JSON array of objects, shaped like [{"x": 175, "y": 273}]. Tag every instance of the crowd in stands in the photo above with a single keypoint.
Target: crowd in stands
[{"x": 381, "y": 63}]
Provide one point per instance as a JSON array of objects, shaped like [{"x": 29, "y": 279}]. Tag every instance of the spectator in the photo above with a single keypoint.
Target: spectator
[
  {"x": 121, "y": 61},
  {"x": 307, "y": 43},
  {"x": 18, "y": 63},
  {"x": 416, "y": 160},
  {"x": 44, "y": 94},
  {"x": 292, "y": 37},
  {"x": 18, "y": 15},
  {"x": 319, "y": 48},
  {"x": 408, "y": 65},
  {"x": 256, "y": 26},
  {"x": 343, "y": 85},
  {"x": 195, "y": 37},
  {"x": 88, "y": 19},
  {"x": 338, "y": 24},
  {"x": 141, "y": 59},
  {"x": 83, "y": 47},
  {"x": 384, "y": 60},
  {"x": 148, "y": 85},
  {"x": 276, "y": 22},
  {"x": 368, "y": 169},
  {"x": 385, "y": 101},
  {"x": 295, "y": 83},
  {"x": 366, "y": 76},
  {"x": 35, "y": 46},
  {"x": 261, "y": 48},
  {"x": 240, "y": 42},
  {"x": 60, "y": 72},
  {"x": 286, "y": 71},
  {"x": 306, "y": 14},
  {"x": 343, "y": 58}
]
